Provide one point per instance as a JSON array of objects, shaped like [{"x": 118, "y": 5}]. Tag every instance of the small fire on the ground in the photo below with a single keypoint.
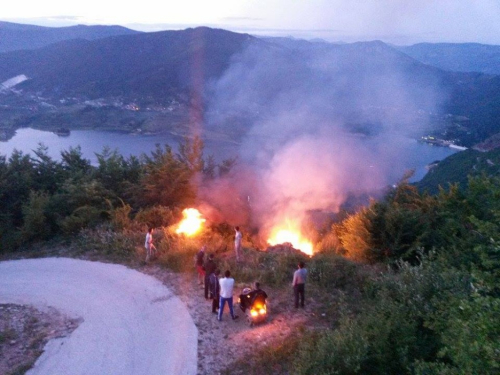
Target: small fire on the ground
[
  {"x": 290, "y": 234},
  {"x": 191, "y": 223}
]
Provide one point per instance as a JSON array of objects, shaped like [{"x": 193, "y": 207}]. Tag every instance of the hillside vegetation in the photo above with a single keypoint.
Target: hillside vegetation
[
  {"x": 410, "y": 283},
  {"x": 457, "y": 168}
]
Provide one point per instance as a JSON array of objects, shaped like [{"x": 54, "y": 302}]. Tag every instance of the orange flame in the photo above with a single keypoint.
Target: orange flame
[
  {"x": 192, "y": 222},
  {"x": 289, "y": 233}
]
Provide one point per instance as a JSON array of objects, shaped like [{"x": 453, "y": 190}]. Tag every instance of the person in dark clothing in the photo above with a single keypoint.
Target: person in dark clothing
[
  {"x": 210, "y": 268},
  {"x": 214, "y": 290},
  {"x": 248, "y": 298},
  {"x": 199, "y": 265}
]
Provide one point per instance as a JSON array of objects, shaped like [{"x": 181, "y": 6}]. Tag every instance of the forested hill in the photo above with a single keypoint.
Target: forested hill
[
  {"x": 458, "y": 167},
  {"x": 458, "y": 57},
  {"x": 147, "y": 64},
  {"x": 15, "y": 36},
  {"x": 366, "y": 85}
]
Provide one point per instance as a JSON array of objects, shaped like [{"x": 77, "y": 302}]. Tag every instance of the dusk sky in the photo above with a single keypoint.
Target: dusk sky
[{"x": 393, "y": 21}]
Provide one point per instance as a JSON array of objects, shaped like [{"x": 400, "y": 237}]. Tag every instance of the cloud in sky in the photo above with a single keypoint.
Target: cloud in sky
[{"x": 395, "y": 21}]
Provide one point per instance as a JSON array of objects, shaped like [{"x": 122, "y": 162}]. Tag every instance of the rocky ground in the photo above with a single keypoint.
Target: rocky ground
[
  {"x": 222, "y": 343},
  {"x": 25, "y": 330}
]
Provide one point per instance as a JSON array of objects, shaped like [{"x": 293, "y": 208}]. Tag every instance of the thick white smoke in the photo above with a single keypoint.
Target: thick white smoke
[{"x": 316, "y": 125}]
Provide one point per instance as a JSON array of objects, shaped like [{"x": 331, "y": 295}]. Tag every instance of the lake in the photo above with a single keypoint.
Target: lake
[
  {"x": 417, "y": 155},
  {"x": 92, "y": 142}
]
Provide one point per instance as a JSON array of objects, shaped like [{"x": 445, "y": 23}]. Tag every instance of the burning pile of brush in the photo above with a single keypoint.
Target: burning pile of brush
[{"x": 288, "y": 233}]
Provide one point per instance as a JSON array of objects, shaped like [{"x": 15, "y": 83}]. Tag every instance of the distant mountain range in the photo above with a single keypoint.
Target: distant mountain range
[
  {"x": 229, "y": 80},
  {"x": 15, "y": 36},
  {"x": 156, "y": 65},
  {"x": 457, "y": 57}
]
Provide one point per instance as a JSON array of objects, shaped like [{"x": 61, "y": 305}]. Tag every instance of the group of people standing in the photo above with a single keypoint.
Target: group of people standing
[{"x": 220, "y": 289}]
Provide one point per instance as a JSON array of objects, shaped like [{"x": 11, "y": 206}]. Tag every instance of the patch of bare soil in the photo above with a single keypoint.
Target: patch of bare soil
[{"x": 24, "y": 331}]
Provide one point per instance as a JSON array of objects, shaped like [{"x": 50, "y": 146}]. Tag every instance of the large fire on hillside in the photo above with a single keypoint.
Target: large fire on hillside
[
  {"x": 192, "y": 222},
  {"x": 289, "y": 232}
]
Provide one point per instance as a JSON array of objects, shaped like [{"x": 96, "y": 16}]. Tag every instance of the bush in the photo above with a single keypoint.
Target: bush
[
  {"x": 83, "y": 217},
  {"x": 102, "y": 241},
  {"x": 340, "y": 351},
  {"x": 156, "y": 216},
  {"x": 35, "y": 226},
  {"x": 9, "y": 236},
  {"x": 334, "y": 271},
  {"x": 402, "y": 325}
]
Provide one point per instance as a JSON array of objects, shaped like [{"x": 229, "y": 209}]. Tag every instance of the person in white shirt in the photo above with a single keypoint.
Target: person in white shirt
[
  {"x": 299, "y": 283},
  {"x": 237, "y": 243},
  {"x": 148, "y": 244},
  {"x": 226, "y": 295}
]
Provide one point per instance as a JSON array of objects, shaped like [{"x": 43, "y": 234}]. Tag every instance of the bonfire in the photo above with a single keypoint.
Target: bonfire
[
  {"x": 289, "y": 232},
  {"x": 192, "y": 223}
]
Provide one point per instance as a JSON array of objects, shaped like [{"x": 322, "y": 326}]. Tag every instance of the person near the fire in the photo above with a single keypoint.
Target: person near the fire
[
  {"x": 198, "y": 263},
  {"x": 209, "y": 268},
  {"x": 248, "y": 299},
  {"x": 148, "y": 244},
  {"x": 299, "y": 283},
  {"x": 214, "y": 289},
  {"x": 226, "y": 295},
  {"x": 237, "y": 243}
]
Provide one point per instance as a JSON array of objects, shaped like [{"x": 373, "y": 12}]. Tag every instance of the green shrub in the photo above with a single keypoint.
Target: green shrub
[
  {"x": 156, "y": 216},
  {"x": 120, "y": 217},
  {"x": 35, "y": 226},
  {"x": 334, "y": 271},
  {"x": 398, "y": 324},
  {"x": 102, "y": 241},
  {"x": 83, "y": 217},
  {"x": 9, "y": 236},
  {"x": 341, "y": 351}
]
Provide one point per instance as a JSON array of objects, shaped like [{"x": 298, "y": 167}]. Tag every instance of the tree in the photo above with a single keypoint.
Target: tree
[
  {"x": 116, "y": 173},
  {"x": 74, "y": 164},
  {"x": 35, "y": 226},
  {"x": 191, "y": 154},
  {"x": 166, "y": 181}
]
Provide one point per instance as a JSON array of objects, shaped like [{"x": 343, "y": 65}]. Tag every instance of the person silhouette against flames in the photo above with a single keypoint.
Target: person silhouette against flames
[
  {"x": 237, "y": 243},
  {"x": 198, "y": 263},
  {"x": 209, "y": 268},
  {"x": 148, "y": 244},
  {"x": 299, "y": 283}
]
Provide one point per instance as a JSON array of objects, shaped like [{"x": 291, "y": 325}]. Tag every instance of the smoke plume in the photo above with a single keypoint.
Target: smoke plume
[{"x": 316, "y": 123}]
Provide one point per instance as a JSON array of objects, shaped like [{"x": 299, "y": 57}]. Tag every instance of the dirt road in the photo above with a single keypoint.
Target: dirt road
[{"x": 131, "y": 322}]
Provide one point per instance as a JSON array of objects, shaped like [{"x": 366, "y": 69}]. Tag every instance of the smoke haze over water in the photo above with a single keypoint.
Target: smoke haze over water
[{"x": 319, "y": 123}]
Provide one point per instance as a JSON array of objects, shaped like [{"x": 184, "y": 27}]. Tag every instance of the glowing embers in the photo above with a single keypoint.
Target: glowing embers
[
  {"x": 192, "y": 222},
  {"x": 290, "y": 233}
]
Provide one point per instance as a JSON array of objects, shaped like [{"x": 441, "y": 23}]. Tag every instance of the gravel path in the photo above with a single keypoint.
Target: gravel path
[{"x": 130, "y": 322}]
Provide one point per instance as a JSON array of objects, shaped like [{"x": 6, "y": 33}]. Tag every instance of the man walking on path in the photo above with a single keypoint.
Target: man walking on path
[
  {"x": 210, "y": 268},
  {"x": 226, "y": 295},
  {"x": 237, "y": 243},
  {"x": 299, "y": 283}
]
